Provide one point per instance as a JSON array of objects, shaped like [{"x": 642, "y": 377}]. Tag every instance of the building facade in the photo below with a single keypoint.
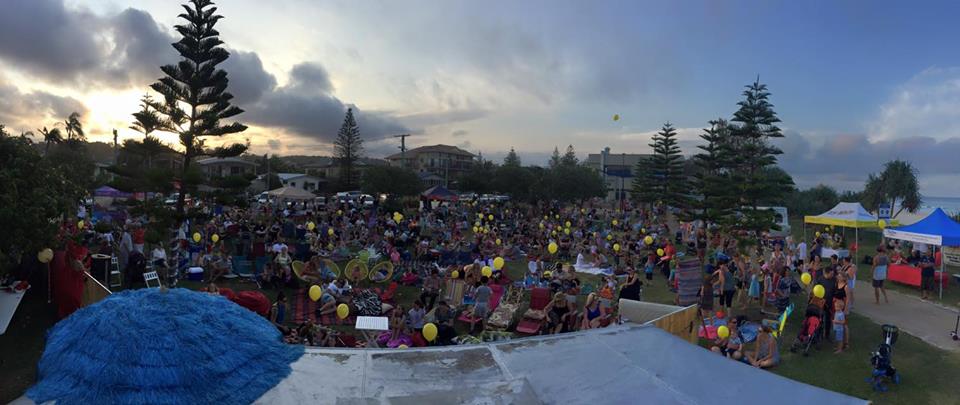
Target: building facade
[
  {"x": 435, "y": 161},
  {"x": 617, "y": 170},
  {"x": 327, "y": 167},
  {"x": 301, "y": 180},
  {"x": 223, "y": 167}
]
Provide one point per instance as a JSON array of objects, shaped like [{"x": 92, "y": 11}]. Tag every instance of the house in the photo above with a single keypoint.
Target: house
[
  {"x": 223, "y": 167},
  {"x": 328, "y": 168},
  {"x": 444, "y": 161},
  {"x": 617, "y": 170},
  {"x": 301, "y": 180}
]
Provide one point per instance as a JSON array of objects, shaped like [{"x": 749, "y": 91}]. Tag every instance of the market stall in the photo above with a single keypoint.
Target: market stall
[
  {"x": 847, "y": 215},
  {"x": 937, "y": 229}
]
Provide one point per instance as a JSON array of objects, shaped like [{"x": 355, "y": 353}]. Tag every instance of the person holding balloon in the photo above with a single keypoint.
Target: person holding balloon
[{"x": 729, "y": 343}]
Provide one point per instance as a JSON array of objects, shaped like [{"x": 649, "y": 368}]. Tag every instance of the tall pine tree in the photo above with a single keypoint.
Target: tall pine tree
[
  {"x": 512, "y": 159},
  {"x": 347, "y": 149},
  {"x": 753, "y": 126},
  {"x": 668, "y": 180},
  {"x": 195, "y": 97},
  {"x": 643, "y": 188},
  {"x": 712, "y": 181},
  {"x": 569, "y": 158},
  {"x": 555, "y": 158}
]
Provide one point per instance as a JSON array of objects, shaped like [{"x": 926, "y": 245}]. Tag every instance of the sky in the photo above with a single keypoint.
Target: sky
[{"x": 855, "y": 83}]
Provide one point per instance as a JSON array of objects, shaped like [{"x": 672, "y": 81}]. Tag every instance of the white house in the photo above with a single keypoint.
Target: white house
[{"x": 301, "y": 181}]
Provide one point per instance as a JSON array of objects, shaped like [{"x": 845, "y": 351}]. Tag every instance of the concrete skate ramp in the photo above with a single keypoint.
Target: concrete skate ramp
[{"x": 618, "y": 365}]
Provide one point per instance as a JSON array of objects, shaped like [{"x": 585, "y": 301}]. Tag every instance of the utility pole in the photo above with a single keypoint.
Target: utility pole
[{"x": 403, "y": 149}]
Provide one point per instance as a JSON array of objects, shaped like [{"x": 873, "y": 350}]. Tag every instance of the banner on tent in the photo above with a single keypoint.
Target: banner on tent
[
  {"x": 951, "y": 255},
  {"x": 913, "y": 237}
]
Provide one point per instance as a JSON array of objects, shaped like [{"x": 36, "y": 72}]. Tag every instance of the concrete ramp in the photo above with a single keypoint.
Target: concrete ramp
[{"x": 624, "y": 364}]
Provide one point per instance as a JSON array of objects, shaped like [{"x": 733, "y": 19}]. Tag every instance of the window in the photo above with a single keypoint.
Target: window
[{"x": 235, "y": 170}]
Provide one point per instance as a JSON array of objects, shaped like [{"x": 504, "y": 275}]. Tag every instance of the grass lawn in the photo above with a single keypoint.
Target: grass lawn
[{"x": 928, "y": 373}]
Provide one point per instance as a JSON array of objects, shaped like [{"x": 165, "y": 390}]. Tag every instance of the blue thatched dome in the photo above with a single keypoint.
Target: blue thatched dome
[{"x": 149, "y": 346}]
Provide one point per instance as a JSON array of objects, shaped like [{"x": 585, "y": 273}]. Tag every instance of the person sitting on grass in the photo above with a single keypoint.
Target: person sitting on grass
[
  {"x": 765, "y": 353},
  {"x": 415, "y": 316},
  {"x": 731, "y": 346},
  {"x": 559, "y": 314},
  {"x": 328, "y": 305},
  {"x": 278, "y": 311},
  {"x": 443, "y": 318},
  {"x": 592, "y": 312}
]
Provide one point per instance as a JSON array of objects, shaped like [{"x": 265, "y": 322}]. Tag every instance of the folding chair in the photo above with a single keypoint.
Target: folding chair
[
  {"x": 151, "y": 276},
  {"x": 116, "y": 279}
]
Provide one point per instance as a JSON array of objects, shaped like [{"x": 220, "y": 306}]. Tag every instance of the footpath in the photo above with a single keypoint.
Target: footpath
[{"x": 926, "y": 320}]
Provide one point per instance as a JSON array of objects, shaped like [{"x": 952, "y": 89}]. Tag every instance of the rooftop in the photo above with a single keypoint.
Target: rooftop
[
  {"x": 411, "y": 153},
  {"x": 215, "y": 160}
]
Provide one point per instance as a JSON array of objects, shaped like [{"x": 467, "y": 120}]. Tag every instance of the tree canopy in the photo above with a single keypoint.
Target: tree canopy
[
  {"x": 896, "y": 185},
  {"x": 347, "y": 149}
]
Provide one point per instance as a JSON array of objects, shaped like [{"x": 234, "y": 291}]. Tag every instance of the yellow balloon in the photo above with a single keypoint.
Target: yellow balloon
[
  {"x": 566, "y": 231},
  {"x": 817, "y": 234},
  {"x": 498, "y": 263},
  {"x": 554, "y": 232},
  {"x": 311, "y": 226},
  {"x": 545, "y": 218},
  {"x": 339, "y": 212},
  {"x": 723, "y": 331},
  {"x": 583, "y": 211},
  {"x": 315, "y": 293},
  {"x": 480, "y": 215},
  {"x": 498, "y": 241},
  {"x": 547, "y": 274},
  {"x": 567, "y": 224},
  {"x": 401, "y": 346},
  {"x": 552, "y": 247},
  {"x": 475, "y": 229},
  {"x": 609, "y": 237},
  {"x": 616, "y": 247},
  {"x": 806, "y": 278},
  {"x": 882, "y": 224},
  {"x": 215, "y": 238},
  {"x": 197, "y": 237},
  {"x": 490, "y": 217},
  {"x": 430, "y": 332},
  {"x": 541, "y": 225},
  {"x": 615, "y": 222},
  {"x": 477, "y": 223},
  {"x": 455, "y": 274},
  {"x": 643, "y": 230},
  {"x": 648, "y": 240},
  {"x": 343, "y": 311},
  {"x": 45, "y": 255},
  {"x": 659, "y": 252},
  {"x": 486, "y": 271},
  {"x": 616, "y": 117},
  {"x": 80, "y": 224},
  {"x": 556, "y": 216},
  {"x": 330, "y": 246},
  {"x": 818, "y": 291}
]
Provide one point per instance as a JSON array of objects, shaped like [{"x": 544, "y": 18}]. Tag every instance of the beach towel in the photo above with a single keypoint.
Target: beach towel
[
  {"x": 591, "y": 269},
  {"x": 689, "y": 279}
]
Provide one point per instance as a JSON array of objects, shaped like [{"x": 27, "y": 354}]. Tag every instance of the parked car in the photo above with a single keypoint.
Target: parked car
[
  {"x": 348, "y": 196},
  {"x": 468, "y": 197}
]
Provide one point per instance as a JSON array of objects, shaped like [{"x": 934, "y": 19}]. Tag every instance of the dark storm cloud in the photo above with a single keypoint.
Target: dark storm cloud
[
  {"x": 19, "y": 110},
  {"x": 52, "y": 42},
  {"x": 310, "y": 75},
  {"x": 845, "y": 160},
  {"x": 248, "y": 80}
]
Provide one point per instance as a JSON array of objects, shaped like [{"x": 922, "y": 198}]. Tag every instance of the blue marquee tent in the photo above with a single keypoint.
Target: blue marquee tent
[{"x": 936, "y": 229}]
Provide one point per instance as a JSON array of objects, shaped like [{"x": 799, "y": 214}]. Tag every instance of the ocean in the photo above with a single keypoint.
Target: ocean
[{"x": 950, "y": 205}]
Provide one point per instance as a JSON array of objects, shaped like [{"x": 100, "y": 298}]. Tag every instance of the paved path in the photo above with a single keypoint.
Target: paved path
[{"x": 925, "y": 320}]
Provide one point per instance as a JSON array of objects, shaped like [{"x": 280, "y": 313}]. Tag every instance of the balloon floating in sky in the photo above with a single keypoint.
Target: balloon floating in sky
[{"x": 616, "y": 117}]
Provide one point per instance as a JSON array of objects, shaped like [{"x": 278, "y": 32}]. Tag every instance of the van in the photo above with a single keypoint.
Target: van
[{"x": 781, "y": 219}]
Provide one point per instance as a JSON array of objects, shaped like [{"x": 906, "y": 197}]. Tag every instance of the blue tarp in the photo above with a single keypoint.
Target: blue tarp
[
  {"x": 440, "y": 193},
  {"x": 937, "y": 229}
]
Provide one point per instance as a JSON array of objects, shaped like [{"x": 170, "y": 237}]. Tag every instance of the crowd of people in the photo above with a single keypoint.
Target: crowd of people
[{"x": 432, "y": 243}]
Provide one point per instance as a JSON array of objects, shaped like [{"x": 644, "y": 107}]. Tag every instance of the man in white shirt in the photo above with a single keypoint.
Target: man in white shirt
[{"x": 802, "y": 253}]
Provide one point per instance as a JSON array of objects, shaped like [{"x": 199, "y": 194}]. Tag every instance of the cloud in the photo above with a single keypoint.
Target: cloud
[
  {"x": 926, "y": 105},
  {"x": 459, "y": 133},
  {"x": 46, "y": 39},
  {"x": 273, "y": 144},
  {"x": 20, "y": 111},
  {"x": 248, "y": 80},
  {"x": 307, "y": 107}
]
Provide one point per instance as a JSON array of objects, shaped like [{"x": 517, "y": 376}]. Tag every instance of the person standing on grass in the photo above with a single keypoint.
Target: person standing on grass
[
  {"x": 848, "y": 269},
  {"x": 926, "y": 275},
  {"x": 727, "y": 284},
  {"x": 829, "y": 283},
  {"x": 880, "y": 263},
  {"x": 481, "y": 304},
  {"x": 840, "y": 326}
]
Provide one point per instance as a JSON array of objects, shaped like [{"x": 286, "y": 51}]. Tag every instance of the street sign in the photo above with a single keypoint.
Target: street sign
[{"x": 883, "y": 211}]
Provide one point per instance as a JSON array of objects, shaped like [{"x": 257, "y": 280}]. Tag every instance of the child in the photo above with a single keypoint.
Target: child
[
  {"x": 839, "y": 324},
  {"x": 648, "y": 268}
]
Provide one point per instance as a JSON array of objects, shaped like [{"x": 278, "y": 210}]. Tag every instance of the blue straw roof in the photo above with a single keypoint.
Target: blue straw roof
[{"x": 150, "y": 346}]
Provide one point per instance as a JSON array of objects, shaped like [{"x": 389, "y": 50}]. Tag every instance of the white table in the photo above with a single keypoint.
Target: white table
[
  {"x": 365, "y": 324},
  {"x": 826, "y": 253}
]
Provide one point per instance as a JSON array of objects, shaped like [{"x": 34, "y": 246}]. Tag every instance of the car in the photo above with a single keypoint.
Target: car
[
  {"x": 780, "y": 219},
  {"x": 486, "y": 198},
  {"x": 320, "y": 201},
  {"x": 468, "y": 196},
  {"x": 347, "y": 196}
]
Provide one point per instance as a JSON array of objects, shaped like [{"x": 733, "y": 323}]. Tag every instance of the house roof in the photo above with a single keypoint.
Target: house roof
[
  {"x": 412, "y": 153},
  {"x": 291, "y": 176},
  {"x": 322, "y": 162},
  {"x": 215, "y": 160}
]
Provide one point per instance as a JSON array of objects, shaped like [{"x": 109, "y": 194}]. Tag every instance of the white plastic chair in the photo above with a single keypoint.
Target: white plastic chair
[{"x": 151, "y": 276}]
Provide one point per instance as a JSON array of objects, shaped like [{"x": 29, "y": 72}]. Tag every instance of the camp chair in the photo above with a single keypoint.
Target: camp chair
[
  {"x": 689, "y": 279},
  {"x": 494, "y": 302},
  {"x": 534, "y": 319},
  {"x": 151, "y": 276},
  {"x": 502, "y": 317},
  {"x": 297, "y": 267},
  {"x": 388, "y": 294},
  {"x": 780, "y": 323},
  {"x": 382, "y": 272},
  {"x": 454, "y": 291},
  {"x": 329, "y": 269},
  {"x": 355, "y": 271}
]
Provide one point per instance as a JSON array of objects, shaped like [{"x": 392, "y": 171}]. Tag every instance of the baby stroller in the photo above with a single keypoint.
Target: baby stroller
[
  {"x": 811, "y": 330},
  {"x": 882, "y": 360}
]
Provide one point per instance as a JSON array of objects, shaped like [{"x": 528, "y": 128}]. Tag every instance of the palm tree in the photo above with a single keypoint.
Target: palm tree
[
  {"x": 50, "y": 136},
  {"x": 74, "y": 128},
  {"x": 147, "y": 119}
]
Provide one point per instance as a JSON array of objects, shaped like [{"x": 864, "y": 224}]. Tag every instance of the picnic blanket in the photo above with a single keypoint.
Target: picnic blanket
[
  {"x": 689, "y": 279},
  {"x": 591, "y": 269},
  {"x": 305, "y": 309}
]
